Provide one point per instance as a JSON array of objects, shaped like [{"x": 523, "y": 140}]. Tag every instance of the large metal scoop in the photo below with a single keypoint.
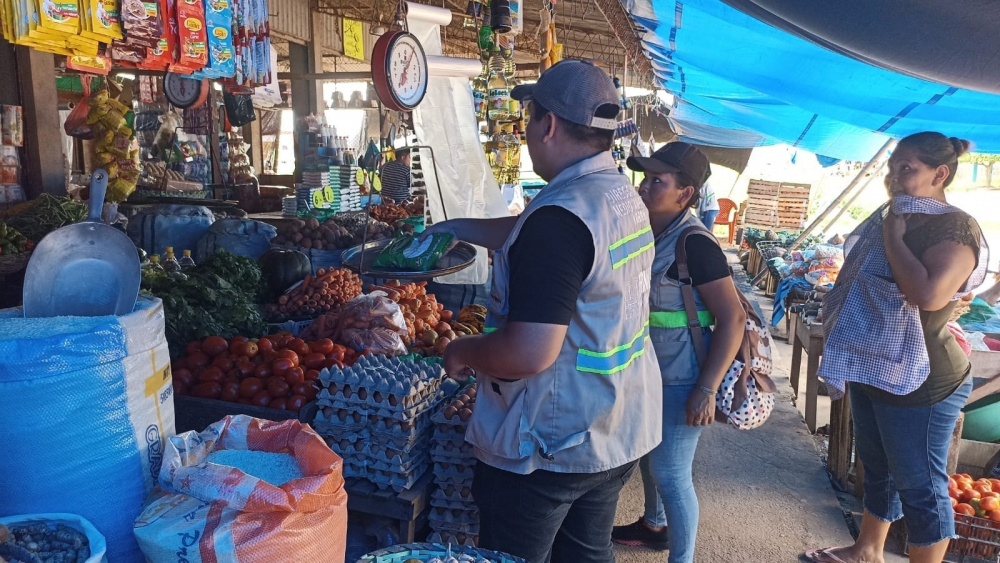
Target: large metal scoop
[{"x": 84, "y": 270}]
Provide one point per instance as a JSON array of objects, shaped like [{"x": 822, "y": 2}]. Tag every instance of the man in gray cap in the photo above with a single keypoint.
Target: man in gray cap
[{"x": 569, "y": 391}]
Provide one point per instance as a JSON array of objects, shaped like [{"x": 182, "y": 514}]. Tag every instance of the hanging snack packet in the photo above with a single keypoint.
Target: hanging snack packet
[
  {"x": 142, "y": 23},
  {"x": 409, "y": 253},
  {"x": 191, "y": 34},
  {"x": 104, "y": 20},
  {"x": 61, "y": 17},
  {"x": 164, "y": 54},
  {"x": 219, "y": 18},
  {"x": 92, "y": 64}
]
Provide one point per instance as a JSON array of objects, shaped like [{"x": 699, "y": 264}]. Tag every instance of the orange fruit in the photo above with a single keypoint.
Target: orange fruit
[
  {"x": 989, "y": 503},
  {"x": 962, "y": 508},
  {"x": 969, "y": 494}
]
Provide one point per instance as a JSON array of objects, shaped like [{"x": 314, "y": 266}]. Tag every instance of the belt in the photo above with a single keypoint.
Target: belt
[{"x": 678, "y": 319}]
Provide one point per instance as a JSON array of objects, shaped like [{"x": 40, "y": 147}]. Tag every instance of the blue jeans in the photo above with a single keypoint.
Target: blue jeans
[
  {"x": 666, "y": 476},
  {"x": 708, "y": 218},
  {"x": 905, "y": 455}
]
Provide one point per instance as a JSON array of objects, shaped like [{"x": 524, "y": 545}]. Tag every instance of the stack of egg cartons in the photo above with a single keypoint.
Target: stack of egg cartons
[
  {"x": 454, "y": 517},
  {"x": 376, "y": 415},
  {"x": 343, "y": 180}
]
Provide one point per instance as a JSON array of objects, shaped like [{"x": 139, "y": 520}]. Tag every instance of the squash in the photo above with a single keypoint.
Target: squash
[{"x": 281, "y": 269}]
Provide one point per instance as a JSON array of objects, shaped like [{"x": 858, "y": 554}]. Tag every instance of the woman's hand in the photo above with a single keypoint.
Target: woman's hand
[
  {"x": 893, "y": 227},
  {"x": 700, "y": 408}
]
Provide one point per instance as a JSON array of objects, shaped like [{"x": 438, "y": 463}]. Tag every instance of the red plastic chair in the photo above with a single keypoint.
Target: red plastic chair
[{"x": 727, "y": 218}]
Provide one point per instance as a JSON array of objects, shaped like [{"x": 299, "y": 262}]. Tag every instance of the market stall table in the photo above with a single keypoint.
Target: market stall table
[
  {"x": 808, "y": 336},
  {"x": 405, "y": 509}
]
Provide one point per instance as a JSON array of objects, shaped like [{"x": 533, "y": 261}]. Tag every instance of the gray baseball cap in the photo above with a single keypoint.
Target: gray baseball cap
[{"x": 573, "y": 90}]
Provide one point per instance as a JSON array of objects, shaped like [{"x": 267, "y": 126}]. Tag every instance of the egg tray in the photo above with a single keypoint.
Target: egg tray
[
  {"x": 430, "y": 402},
  {"x": 469, "y": 528},
  {"x": 428, "y": 551},
  {"x": 399, "y": 466},
  {"x": 447, "y": 432},
  {"x": 401, "y": 383},
  {"x": 385, "y": 431},
  {"x": 377, "y": 452},
  {"x": 449, "y": 503},
  {"x": 452, "y": 493},
  {"x": 384, "y": 479},
  {"x": 446, "y": 537},
  {"x": 452, "y": 452},
  {"x": 453, "y": 473},
  {"x": 455, "y": 421}
]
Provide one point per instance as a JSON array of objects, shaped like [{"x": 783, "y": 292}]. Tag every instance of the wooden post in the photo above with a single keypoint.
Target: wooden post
[
  {"x": 252, "y": 135},
  {"x": 315, "y": 51},
  {"x": 838, "y": 460},
  {"x": 43, "y": 166},
  {"x": 843, "y": 195}
]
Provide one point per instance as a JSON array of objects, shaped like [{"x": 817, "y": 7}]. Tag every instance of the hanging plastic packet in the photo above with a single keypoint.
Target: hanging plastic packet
[
  {"x": 219, "y": 21},
  {"x": 164, "y": 54},
  {"x": 62, "y": 17},
  {"x": 142, "y": 23},
  {"x": 92, "y": 64},
  {"x": 191, "y": 34},
  {"x": 105, "y": 19},
  {"x": 409, "y": 253}
]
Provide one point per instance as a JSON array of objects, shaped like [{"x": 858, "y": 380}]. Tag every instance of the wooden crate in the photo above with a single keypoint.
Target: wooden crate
[{"x": 777, "y": 205}]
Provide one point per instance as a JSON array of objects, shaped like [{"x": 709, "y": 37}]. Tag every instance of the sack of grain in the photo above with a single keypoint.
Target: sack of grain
[
  {"x": 232, "y": 493},
  {"x": 85, "y": 405}
]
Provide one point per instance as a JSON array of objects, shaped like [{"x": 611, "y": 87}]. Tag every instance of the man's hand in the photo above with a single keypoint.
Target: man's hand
[
  {"x": 454, "y": 365},
  {"x": 446, "y": 227}
]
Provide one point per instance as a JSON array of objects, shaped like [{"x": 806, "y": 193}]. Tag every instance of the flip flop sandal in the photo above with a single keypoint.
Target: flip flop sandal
[{"x": 813, "y": 556}]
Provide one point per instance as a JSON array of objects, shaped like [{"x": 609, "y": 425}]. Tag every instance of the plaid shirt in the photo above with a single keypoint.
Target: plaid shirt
[{"x": 873, "y": 334}]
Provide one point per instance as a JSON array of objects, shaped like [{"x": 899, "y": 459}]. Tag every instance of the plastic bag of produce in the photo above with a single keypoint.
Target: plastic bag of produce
[
  {"x": 212, "y": 512},
  {"x": 54, "y": 533},
  {"x": 179, "y": 226},
  {"x": 243, "y": 237},
  {"x": 370, "y": 322},
  {"x": 85, "y": 404},
  {"x": 408, "y": 252}
]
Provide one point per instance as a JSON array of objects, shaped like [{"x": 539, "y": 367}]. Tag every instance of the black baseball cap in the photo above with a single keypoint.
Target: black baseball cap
[
  {"x": 675, "y": 157},
  {"x": 573, "y": 90}
]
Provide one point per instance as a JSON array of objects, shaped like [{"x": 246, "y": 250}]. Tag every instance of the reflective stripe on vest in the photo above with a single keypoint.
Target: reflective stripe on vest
[
  {"x": 613, "y": 361},
  {"x": 678, "y": 319},
  {"x": 630, "y": 247}
]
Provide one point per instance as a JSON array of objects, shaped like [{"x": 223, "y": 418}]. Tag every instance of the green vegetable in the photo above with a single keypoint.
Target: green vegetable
[
  {"x": 215, "y": 298},
  {"x": 46, "y": 214},
  {"x": 281, "y": 270}
]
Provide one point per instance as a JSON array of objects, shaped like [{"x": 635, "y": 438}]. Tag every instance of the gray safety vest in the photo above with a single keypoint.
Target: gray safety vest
[
  {"x": 599, "y": 406},
  {"x": 668, "y": 330}
]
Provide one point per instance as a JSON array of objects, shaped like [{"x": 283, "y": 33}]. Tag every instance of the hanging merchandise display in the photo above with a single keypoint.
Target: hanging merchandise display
[{"x": 499, "y": 104}]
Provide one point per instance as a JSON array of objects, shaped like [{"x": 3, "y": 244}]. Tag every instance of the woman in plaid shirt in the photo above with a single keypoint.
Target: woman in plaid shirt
[{"x": 886, "y": 335}]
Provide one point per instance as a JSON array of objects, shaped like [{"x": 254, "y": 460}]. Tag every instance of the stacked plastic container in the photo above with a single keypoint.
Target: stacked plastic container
[
  {"x": 343, "y": 180},
  {"x": 376, "y": 415},
  {"x": 454, "y": 517}
]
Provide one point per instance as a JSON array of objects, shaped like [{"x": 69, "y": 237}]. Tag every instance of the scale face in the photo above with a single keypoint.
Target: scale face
[
  {"x": 184, "y": 92},
  {"x": 399, "y": 71}
]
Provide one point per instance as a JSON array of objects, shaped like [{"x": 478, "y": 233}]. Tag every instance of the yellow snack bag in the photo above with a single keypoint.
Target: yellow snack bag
[
  {"x": 105, "y": 18},
  {"x": 60, "y": 15}
]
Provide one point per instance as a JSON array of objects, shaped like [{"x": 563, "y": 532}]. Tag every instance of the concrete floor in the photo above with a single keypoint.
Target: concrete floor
[{"x": 765, "y": 495}]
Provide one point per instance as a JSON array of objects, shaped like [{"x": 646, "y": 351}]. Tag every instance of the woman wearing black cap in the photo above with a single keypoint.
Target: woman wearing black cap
[{"x": 673, "y": 177}]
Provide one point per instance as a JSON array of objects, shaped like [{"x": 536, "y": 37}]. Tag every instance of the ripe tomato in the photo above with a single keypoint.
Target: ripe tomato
[
  {"x": 260, "y": 399},
  {"x": 324, "y": 346},
  {"x": 212, "y": 374},
  {"x": 982, "y": 489},
  {"x": 281, "y": 366},
  {"x": 290, "y": 355},
  {"x": 249, "y": 349},
  {"x": 954, "y": 492},
  {"x": 280, "y": 403},
  {"x": 307, "y": 389},
  {"x": 180, "y": 387},
  {"x": 295, "y": 375},
  {"x": 952, "y": 482},
  {"x": 192, "y": 348},
  {"x": 964, "y": 484},
  {"x": 263, "y": 371},
  {"x": 230, "y": 392},
  {"x": 245, "y": 367},
  {"x": 198, "y": 360},
  {"x": 337, "y": 354},
  {"x": 993, "y": 515},
  {"x": 250, "y": 387},
  {"x": 285, "y": 340},
  {"x": 278, "y": 387},
  {"x": 988, "y": 504},
  {"x": 313, "y": 360},
  {"x": 184, "y": 375},
  {"x": 214, "y": 345},
  {"x": 225, "y": 363},
  {"x": 963, "y": 508},
  {"x": 265, "y": 345},
  {"x": 295, "y": 402},
  {"x": 299, "y": 346},
  {"x": 312, "y": 375},
  {"x": 996, "y": 484},
  {"x": 968, "y": 494},
  {"x": 984, "y": 483},
  {"x": 954, "y": 502},
  {"x": 231, "y": 378},
  {"x": 207, "y": 390},
  {"x": 236, "y": 343}
]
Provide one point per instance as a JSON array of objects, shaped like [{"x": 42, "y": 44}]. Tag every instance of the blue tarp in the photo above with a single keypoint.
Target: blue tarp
[{"x": 740, "y": 82}]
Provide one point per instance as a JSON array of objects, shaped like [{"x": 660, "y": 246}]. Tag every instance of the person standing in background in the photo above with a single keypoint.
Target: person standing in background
[
  {"x": 395, "y": 178},
  {"x": 708, "y": 207}
]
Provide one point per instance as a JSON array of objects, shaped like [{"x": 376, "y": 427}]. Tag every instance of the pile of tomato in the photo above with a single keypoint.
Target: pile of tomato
[
  {"x": 979, "y": 497},
  {"x": 278, "y": 371}
]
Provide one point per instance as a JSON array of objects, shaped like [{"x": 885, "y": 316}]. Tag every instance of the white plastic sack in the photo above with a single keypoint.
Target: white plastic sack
[
  {"x": 85, "y": 405},
  {"x": 98, "y": 546},
  {"x": 446, "y": 120},
  {"x": 269, "y": 95}
]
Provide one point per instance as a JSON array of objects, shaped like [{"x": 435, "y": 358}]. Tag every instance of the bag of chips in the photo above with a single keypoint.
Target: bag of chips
[{"x": 409, "y": 253}]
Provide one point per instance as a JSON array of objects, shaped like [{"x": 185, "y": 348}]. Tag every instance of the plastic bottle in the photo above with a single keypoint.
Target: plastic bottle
[
  {"x": 499, "y": 96},
  {"x": 186, "y": 261},
  {"x": 170, "y": 263},
  {"x": 154, "y": 263}
]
